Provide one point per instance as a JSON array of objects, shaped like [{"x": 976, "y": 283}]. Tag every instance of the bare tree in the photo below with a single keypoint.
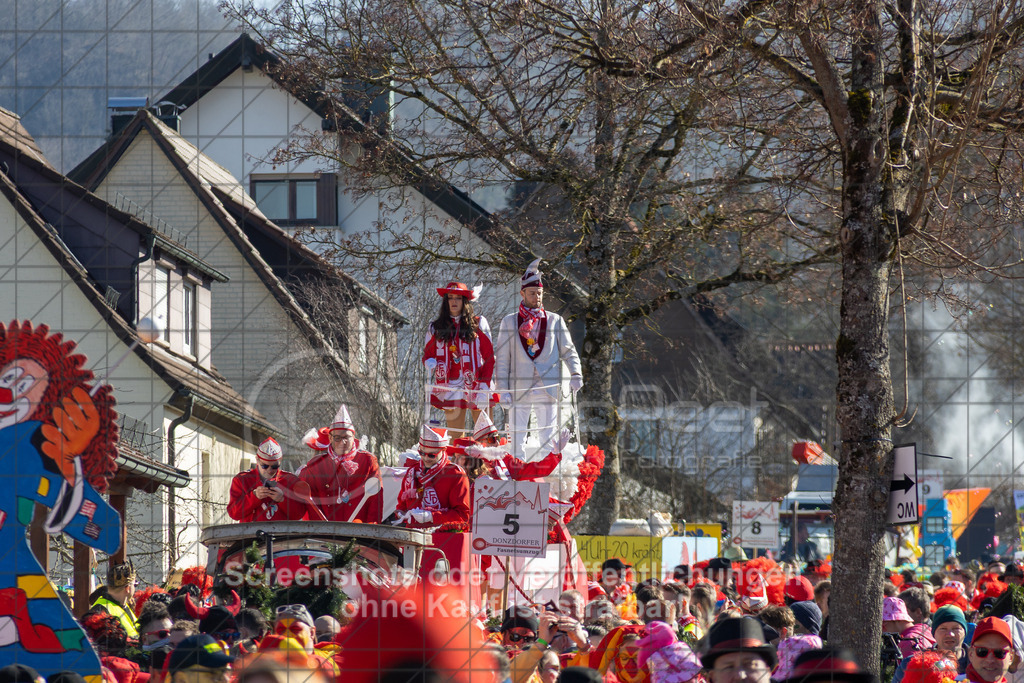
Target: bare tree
[{"x": 608, "y": 112}]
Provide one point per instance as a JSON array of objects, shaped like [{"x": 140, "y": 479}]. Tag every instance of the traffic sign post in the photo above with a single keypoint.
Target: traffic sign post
[
  {"x": 755, "y": 524},
  {"x": 903, "y": 489}
]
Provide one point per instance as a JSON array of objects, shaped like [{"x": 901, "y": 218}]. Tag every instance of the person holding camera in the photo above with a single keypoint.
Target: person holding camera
[{"x": 265, "y": 493}]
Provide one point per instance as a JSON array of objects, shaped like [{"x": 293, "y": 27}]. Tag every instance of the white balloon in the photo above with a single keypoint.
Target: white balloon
[{"x": 150, "y": 330}]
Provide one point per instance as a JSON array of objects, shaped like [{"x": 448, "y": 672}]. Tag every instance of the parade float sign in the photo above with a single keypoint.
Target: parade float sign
[{"x": 510, "y": 518}]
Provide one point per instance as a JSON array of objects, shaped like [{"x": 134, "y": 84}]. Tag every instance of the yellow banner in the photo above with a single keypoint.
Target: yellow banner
[{"x": 643, "y": 552}]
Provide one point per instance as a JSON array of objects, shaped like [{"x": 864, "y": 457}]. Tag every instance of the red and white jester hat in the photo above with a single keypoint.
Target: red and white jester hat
[
  {"x": 269, "y": 451},
  {"x": 433, "y": 437},
  {"x": 343, "y": 421},
  {"x": 531, "y": 278}
]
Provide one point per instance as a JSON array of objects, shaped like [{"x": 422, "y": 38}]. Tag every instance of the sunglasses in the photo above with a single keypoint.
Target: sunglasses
[
  {"x": 517, "y": 638},
  {"x": 997, "y": 652},
  {"x": 269, "y": 467},
  {"x": 161, "y": 634}
]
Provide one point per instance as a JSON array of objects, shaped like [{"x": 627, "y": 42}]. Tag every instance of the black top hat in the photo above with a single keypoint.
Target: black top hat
[
  {"x": 737, "y": 634},
  {"x": 831, "y": 665}
]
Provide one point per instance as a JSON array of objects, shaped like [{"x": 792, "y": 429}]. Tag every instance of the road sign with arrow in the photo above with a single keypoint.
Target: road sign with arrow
[{"x": 903, "y": 498}]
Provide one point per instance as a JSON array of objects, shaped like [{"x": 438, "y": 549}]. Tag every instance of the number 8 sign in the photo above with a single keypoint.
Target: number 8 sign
[{"x": 756, "y": 523}]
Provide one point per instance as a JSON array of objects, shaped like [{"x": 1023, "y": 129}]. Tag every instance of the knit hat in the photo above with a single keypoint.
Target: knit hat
[
  {"x": 894, "y": 609},
  {"x": 520, "y": 617},
  {"x": 579, "y": 674},
  {"x": 433, "y": 437},
  {"x": 948, "y": 613},
  {"x": 483, "y": 426},
  {"x": 269, "y": 450},
  {"x": 531, "y": 278},
  {"x": 808, "y": 614},
  {"x": 342, "y": 420}
]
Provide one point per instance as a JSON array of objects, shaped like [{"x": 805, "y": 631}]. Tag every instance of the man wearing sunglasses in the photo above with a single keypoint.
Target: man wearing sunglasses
[
  {"x": 266, "y": 492},
  {"x": 519, "y": 630},
  {"x": 991, "y": 652}
]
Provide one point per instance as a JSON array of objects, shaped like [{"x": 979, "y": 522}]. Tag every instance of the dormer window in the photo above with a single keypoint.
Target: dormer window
[{"x": 297, "y": 199}]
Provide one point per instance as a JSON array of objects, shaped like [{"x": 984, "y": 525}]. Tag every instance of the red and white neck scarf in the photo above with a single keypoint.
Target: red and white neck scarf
[
  {"x": 348, "y": 460},
  {"x": 418, "y": 479},
  {"x": 530, "y": 328}
]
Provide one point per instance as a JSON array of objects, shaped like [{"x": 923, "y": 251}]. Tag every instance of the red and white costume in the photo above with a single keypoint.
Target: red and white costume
[
  {"x": 245, "y": 506},
  {"x": 462, "y": 370},
  {"x": 337, "y": 482},
  {"x": 501, "y": 463},
  {"x": 438, "y": 496}
]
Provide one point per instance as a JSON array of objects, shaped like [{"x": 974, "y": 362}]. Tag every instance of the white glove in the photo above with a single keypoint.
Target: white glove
[
  {"x": 430, "y": 364},
  {"x": 575, "y": 383},
  {"x": 474, "y": 450},
  {"x": 401, "y": 519},
  {"x": 563, "y": 440},
  {"x": 421, "y": 516}
]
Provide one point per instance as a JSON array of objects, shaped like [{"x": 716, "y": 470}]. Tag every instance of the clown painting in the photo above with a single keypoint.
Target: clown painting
[{"x": 57, "y": 448}]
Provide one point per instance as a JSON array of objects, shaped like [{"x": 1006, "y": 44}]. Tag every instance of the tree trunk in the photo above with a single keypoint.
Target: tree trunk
[
  {"x": 864, "y": 394},
  {"x": 601, "y": 422}
]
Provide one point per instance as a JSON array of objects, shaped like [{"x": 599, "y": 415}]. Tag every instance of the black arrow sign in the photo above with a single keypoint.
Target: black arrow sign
[{"x": 904, "y": 485}]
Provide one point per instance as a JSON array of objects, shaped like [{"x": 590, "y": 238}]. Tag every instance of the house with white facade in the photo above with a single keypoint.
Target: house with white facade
[
  {"x": 85, "y": 268},
  {"x": 294, "y": 334}
]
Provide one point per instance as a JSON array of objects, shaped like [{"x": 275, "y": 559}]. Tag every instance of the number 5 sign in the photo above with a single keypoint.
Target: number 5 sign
[
  {"x": 755, "y": 524},
  {"x": 510, "y": 517}
]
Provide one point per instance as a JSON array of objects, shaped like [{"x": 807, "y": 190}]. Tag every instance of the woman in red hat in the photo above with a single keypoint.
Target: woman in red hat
[{"x": 459, "y": 353}]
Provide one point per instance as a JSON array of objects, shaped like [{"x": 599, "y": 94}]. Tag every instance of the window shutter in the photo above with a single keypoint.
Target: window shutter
[{"x": 327, "y": 199}]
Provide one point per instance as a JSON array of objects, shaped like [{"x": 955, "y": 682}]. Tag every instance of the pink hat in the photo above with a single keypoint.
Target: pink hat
[
  {"x": 342, "y": 420},
  {"x": 894, "y": 609},
  {"x": 269, "y": 450}
]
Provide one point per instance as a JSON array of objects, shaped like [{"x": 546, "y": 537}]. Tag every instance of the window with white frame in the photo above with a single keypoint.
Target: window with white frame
[
  {"x": 189, "y": 323},
  {"x": 162, "y": 300}
]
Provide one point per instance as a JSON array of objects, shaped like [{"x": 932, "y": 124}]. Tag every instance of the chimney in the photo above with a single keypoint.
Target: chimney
[
  {"x": 122, "y": 110},
  {"x": 169, "y": 114}
]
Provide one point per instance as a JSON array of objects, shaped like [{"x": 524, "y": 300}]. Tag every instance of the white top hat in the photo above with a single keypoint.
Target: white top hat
[
  {"x": 531, "y": 278},
  {"x": 269, "y": 450},
  {"x": 433, "y": 437},
  {"x": 342, "y": 420},
  {"x": 483, "y": 426}
]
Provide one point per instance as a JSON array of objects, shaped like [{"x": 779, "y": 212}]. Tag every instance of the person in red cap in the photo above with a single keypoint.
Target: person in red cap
[
  {"x": 265, "y": 492},
  {"x": 459, "y": 354},
  {"x": 991, "y": 652},
  {"x": 435, "y": 494},
  {"x": 532, "y": 347},
  {"x": 798, "y": 589},
  {"x": 344, "y": 480}
]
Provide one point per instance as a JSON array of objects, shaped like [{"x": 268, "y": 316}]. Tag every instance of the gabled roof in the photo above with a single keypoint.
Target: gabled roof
[
  {"x": 208, "y": 390},
  {"x": 246, "y": 53},
  {"x": 218, "y": 190},
  {"x": 15, "y": 135},
  {"x": 16, "y": 141}
]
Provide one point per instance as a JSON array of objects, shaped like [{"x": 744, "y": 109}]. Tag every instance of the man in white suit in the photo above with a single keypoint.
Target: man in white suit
[{"x": 531, "y": 348}]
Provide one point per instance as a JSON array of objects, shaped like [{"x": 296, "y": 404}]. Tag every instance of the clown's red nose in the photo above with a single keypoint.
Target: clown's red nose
[{"x": 6, "y": 396}]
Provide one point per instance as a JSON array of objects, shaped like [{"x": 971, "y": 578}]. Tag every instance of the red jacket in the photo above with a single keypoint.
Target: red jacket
[
  {"x": 244, "y": 506},
  {"x": 330, "y": 484},
  {"x": 447, "y": 496}
]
